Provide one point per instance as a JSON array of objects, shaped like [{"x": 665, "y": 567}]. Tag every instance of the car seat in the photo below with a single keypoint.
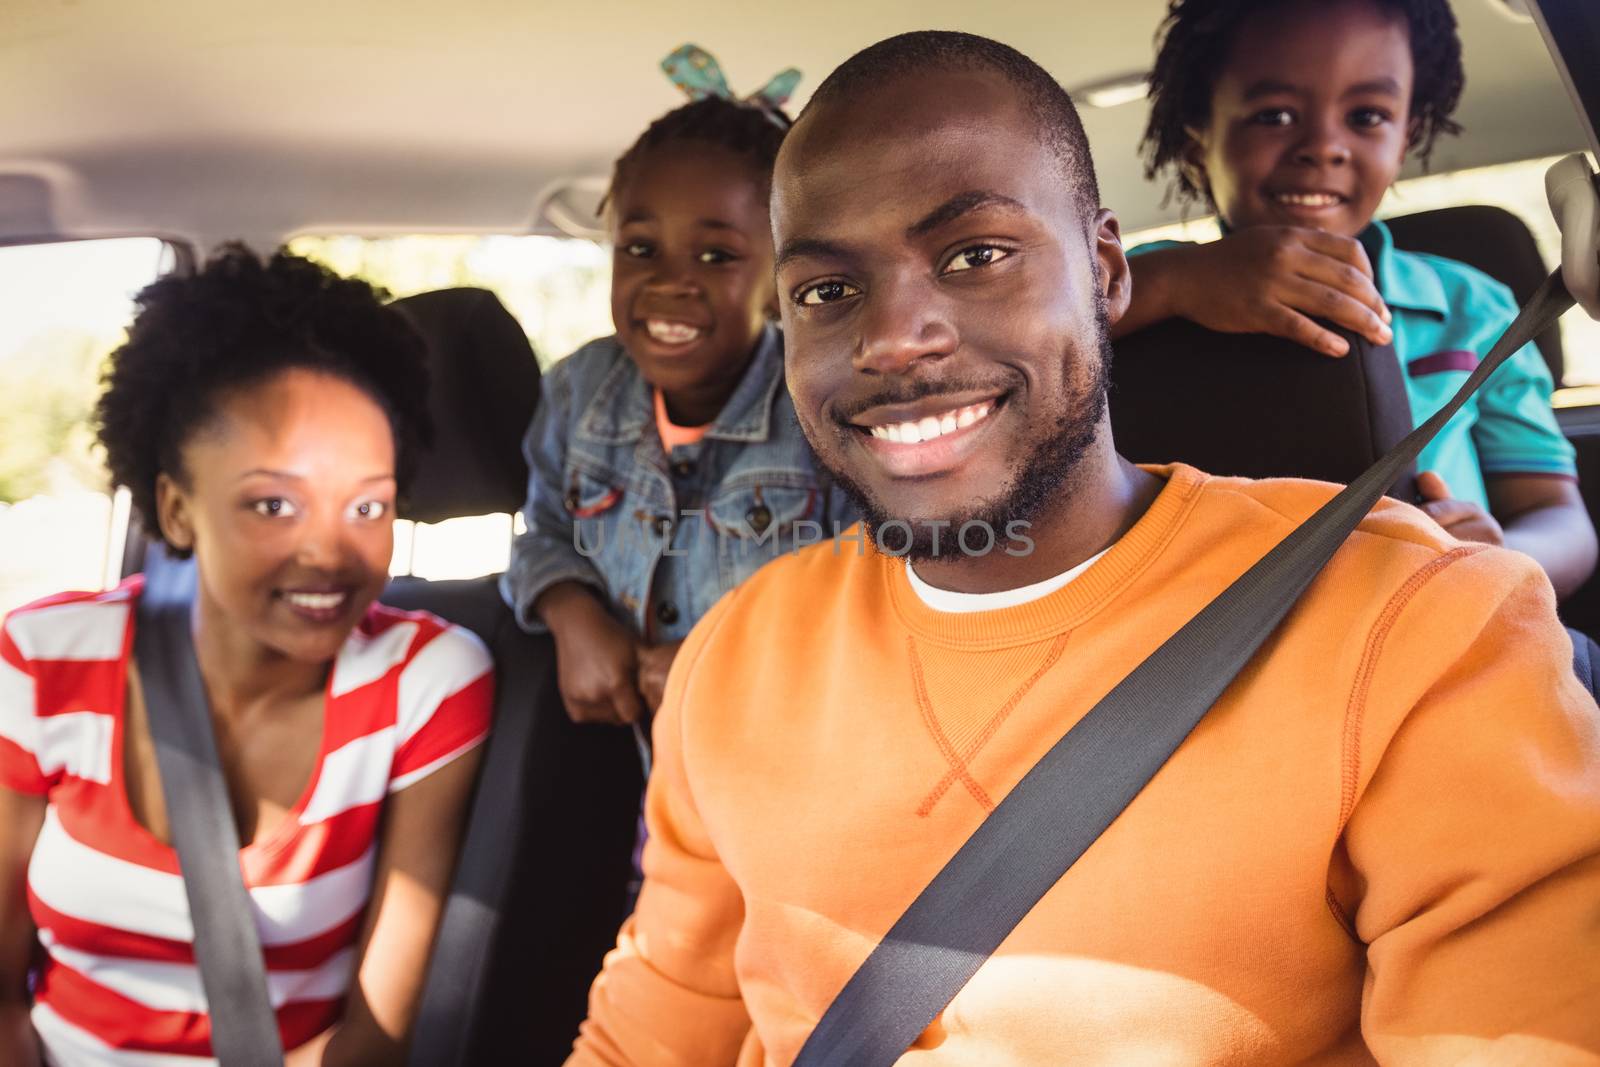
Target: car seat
[
  {"x": 541, "y": 885},
  {"x": 1257, "y": 406}
]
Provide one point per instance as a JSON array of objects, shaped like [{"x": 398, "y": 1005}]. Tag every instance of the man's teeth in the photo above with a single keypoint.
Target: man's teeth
[
  {"x": 911, "y": 433},
  {"x": 1309, "y": 199},
  {"x": 670, "y": 333},
  {"x": 315, "y": 601}
]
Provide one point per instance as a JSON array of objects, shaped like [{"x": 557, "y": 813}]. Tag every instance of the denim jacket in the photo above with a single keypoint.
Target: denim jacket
[{"x": 660, "y": 537}]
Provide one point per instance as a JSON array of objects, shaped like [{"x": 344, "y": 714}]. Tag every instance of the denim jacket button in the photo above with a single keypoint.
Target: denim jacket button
[
  {"x": 667, "y": 612},
  {"x": 683, "y": 468},
  {"x": 759, "y": 518},
  {"x": 662, "y": 525},
  {"x": 571, "y": 500}
]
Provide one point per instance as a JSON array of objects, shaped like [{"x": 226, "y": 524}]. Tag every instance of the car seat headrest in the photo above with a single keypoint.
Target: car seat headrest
[
  {"x": 1494, "y": 241},
  {"x": 485, "y": 383},
  {"x": 1257, "y": 406}
]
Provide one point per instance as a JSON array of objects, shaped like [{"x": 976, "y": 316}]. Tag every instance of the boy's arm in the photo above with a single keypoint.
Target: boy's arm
[
  {"x": 668, "y": 995},
  {"x": 1545, "y": 517},
  {"x": 1262, "y": 279},
  {"x": 1528, "y": 466},
  {"x": 1469, "y": 863},
  {"x": 545, "y": 553}
]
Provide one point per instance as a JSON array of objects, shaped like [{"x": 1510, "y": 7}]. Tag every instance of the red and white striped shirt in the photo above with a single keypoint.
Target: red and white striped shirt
[{"x": 118, "y": 984}]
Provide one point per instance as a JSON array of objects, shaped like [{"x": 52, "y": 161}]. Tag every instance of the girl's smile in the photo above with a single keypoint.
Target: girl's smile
[{"x": 691, "y": 283}]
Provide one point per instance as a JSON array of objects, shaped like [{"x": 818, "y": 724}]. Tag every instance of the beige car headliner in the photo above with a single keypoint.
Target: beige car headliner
[{"x": 207, "y": 119}]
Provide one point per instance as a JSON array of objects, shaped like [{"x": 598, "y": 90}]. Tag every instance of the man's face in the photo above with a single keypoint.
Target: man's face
[{"x": 945, "y": 302}]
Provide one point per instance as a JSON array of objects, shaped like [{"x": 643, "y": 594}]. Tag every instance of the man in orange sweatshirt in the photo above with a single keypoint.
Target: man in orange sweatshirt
[{"x": 1381, "y": 845}]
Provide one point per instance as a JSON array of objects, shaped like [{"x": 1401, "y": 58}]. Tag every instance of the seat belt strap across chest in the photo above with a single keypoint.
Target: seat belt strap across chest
[
  {"x": 1063, "y": 804},
  {"x": 227, "y": 946}
]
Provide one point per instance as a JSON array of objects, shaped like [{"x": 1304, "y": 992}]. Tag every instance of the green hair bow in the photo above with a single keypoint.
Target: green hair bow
[{"x": 697, "y": 72}]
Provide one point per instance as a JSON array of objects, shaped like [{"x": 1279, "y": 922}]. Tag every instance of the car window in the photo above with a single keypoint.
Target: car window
[{"x": 63, "y": 308}]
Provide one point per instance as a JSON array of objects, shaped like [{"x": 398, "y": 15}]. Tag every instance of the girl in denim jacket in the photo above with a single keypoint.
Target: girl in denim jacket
[{"x": 665, "y": 461}]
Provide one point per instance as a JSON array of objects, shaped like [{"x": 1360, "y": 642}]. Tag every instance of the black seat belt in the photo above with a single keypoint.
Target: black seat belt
[
  {"x": 227, "y": 947},
  {"x": 1064, "y": 803}
]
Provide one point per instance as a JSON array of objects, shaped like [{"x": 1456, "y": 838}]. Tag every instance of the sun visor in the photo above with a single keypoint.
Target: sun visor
[{"x": 1571, "y": 30}]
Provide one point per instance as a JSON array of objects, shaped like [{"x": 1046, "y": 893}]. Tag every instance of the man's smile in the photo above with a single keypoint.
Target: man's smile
[{"x": 927, "y": 437}]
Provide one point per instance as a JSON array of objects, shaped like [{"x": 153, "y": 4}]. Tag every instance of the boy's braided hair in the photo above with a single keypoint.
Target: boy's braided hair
[
  {"x": 1195, "y": 40},
  {"x": 746, "y": 129}
]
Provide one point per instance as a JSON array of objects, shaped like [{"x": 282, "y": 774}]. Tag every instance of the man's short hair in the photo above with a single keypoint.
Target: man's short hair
[{"x": 928, "y": 52}]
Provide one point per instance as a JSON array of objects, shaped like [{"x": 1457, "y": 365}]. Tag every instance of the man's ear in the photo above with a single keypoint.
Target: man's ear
[
  {"x": 1111, "y": 265},
  {"x": 173, "y": 513}
]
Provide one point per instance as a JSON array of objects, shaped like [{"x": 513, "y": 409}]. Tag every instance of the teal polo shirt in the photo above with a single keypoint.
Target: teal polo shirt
[{"x": 1447, "y": 316}]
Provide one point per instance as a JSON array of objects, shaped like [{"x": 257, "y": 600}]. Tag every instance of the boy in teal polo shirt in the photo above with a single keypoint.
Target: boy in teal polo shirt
[{"x": 1292, "y": 120}]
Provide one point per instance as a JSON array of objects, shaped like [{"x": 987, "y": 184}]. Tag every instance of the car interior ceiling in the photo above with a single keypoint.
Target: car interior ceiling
[{"x": 481, "y": 1000}]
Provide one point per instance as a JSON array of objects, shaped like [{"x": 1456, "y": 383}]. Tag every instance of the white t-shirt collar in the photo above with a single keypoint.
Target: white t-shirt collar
[{"x": 960, "y": 603}]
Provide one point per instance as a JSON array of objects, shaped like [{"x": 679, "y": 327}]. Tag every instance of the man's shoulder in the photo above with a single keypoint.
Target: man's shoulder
[
  {"x": 1394, "y": 550},
  {"x": 806, "y": 586}
]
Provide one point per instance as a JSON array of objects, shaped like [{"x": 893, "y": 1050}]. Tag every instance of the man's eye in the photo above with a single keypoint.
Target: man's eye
[
  {"x": 273, "y": 507},
  {"x": 1273, "y": 116},
  {"x": 976, "y": 256},
  {"x": 717, "y": 255},
  {"x": 825, "y": 293},
  {"x": 1367, "y": 118},
  {"x": 372, "y": 509},
  {"x": 637, "y": 249}
]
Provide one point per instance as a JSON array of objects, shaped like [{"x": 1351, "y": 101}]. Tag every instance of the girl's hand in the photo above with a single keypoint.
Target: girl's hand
[
  {"x": 597, "y": 658},
  {"x": 1462, "y": 520},
  {"x": 1273, "y": 279},
  {"x": 654, "y": 663}
]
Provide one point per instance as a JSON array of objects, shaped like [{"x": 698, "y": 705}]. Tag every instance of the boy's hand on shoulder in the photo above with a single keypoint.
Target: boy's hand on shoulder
[
  {"x": 597, "y": 658},
  {"x": 654, "y": 663},
  {"x": 1461, "y": 519},
  {"x": 1273, "y": 279}
]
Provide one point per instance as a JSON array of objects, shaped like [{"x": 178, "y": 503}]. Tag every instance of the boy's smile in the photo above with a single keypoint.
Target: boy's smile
[
  {"x": 1310, "y": 117},
  {"x": 944, "y": 293}
]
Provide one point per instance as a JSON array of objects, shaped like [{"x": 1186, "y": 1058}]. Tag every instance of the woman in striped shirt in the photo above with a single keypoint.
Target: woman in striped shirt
[{"x": 264, "y": 416}]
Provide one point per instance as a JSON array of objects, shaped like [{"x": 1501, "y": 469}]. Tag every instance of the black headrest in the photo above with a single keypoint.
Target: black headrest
[
  {"x": 485, "y": 383},
  {"x": 1493, "y": 240},
  {"x": 1256, "y": 406}
]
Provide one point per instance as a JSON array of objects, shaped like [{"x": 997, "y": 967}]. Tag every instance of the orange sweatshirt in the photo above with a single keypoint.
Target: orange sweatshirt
[{"x": 1381, "y": 845}]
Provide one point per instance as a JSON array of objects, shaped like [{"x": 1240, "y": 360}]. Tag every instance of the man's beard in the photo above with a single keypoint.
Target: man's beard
[{"x": 1041, "y": 482}]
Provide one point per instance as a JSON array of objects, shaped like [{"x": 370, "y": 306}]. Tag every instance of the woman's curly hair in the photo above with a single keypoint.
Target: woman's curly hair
[
  {"x": 1197, "y": 37},
  {"x": 236, "y": 323}
]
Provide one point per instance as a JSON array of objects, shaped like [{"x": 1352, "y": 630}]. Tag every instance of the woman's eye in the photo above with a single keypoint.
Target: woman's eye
[
  {"x": 272, "y": 507},
  {"x": 1367, "y": 118},
  {"x": 372, "y": 509},
  {"x": 976, "y": 256},
  {"x": 825, "y": 293},
  {"x": 636, "y": 249},
  {"x": 716, "y": 255},
  {"x": 1273, "y": 116}
]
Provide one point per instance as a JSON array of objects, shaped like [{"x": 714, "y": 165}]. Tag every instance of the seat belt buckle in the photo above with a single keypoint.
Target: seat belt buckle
[{"x": 1573, "y": 190}]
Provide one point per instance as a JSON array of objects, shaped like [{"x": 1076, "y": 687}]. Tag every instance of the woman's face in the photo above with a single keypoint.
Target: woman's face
[{"x": 289, "y": 508}]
